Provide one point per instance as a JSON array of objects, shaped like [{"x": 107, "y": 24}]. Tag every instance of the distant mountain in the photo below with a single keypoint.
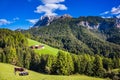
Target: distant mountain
[
  {"x": 46, "y": 20},
  {"x": 92, "y": 34},
  {"x": 89, "y": 22}
]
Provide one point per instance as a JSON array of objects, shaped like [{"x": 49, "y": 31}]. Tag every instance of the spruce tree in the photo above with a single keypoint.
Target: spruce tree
[{"x": 98, "y": 69}]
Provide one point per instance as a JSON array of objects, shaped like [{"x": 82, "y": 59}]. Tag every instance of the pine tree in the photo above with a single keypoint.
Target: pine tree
[
  {"x": 35, "y": 61},
  {"x": 11, "y": 55},
  {"x": 107, "y": 64},
  {"x": 1, "y": 55},
  {"x": 49, "y": 64},
  {"x": 64, "y": 64},
  {"x": 88, "y": 68},
  {"x": 83, "y": 63},
  {"x": 98, "y": 69},
  {"x": 27, "y": 59},
  {"x": 76, "y": 63},
  {"x": 70, "y": 64}
]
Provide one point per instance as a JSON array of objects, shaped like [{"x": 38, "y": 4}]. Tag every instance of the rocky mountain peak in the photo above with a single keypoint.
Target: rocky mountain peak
[
  {"x": 66, "y": 16},
  {"x": 46, "y": 20}
]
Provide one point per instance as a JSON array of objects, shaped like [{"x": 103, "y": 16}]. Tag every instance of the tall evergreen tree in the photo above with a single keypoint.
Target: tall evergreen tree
[
  {"x": 50, "y": 66},
  {"x": 70, "y": 64},
  {"x": 11, "y": 55},
  {"x": 98, "y": 69},
  {"x": 27, "y": 59},
  {"x": 64, "y": 66},
  {"x": 107, "y": 64}
]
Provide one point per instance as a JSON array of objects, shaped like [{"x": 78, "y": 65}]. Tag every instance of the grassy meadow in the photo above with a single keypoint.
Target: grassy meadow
[
  {"x": 7, "y": 73},
  {"x": 46, "y": 50}
]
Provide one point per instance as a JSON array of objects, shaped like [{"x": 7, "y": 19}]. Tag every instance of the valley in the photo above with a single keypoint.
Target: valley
[{"x": 59, "y": 40}]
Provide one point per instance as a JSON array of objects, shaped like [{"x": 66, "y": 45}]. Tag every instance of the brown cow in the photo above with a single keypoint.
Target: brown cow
[{"x": 18, "y": 69}]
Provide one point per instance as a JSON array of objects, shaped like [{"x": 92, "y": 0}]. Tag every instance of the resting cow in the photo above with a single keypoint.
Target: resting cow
[
  {"x": 23, "y": 73},
  {"x": 18, "y": 69}
]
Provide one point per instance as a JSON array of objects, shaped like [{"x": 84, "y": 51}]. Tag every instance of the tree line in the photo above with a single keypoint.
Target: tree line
[{"x": 67, "y": 64}]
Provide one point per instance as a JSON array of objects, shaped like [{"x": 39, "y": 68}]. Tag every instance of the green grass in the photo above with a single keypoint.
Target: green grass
[
  {"x": 116, "y": 70},
  {"x": 46, "y": 50},
  {"x": 7, "y": 73}
]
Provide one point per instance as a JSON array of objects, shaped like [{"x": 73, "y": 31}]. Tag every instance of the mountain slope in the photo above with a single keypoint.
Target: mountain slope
[
  {"x": 69, "y": 34},
  {"x": 7, "y": 73}
]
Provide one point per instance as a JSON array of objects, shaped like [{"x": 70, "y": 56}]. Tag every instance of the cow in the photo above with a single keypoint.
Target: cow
[
  {"x": 18, "y": 69},
  {"x": 23, "y": 73}
]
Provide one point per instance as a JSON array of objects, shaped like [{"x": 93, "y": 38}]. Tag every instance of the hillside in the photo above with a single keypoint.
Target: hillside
[
  {"x": 47, "y": 49},
  {"x": 7, "y": 73},
  {"x": 92, "y": 35}
]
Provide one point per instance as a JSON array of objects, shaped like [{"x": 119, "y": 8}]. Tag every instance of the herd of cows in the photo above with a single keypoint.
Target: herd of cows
[{"x": 22, "y": 71}]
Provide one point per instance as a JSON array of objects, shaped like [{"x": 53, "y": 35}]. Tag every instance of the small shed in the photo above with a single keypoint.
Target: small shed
[{"x": 37, "y": 47}]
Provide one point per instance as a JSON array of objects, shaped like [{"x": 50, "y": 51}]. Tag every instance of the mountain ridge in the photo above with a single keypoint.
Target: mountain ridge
[{"x": 66, "y": 34}]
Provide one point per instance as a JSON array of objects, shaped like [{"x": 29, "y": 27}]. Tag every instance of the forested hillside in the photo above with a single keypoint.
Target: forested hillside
[
  {"x": 100, "y": 36},
  {"x": 14, "y": 49}
]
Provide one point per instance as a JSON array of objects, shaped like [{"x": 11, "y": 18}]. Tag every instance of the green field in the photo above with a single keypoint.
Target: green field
[
  {"x": 46, "y": 50},
  {"x": 7, "y": 73}
]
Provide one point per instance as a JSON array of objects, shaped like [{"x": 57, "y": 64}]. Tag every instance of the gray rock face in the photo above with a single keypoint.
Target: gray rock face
[
  {"x": 65, "y": 16},
  {"x": 46, "y": 20},
  {"x": 118, "y": 22},
  {"x": 88, "y": 25},
  {"x": 101, "y": 25}
]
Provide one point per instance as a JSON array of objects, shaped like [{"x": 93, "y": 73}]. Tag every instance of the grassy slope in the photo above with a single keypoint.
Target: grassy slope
[
  {"x": 116, "y": 70},
  {"x": 7, "y": 73},
  {"x": 46, "y": 50}
]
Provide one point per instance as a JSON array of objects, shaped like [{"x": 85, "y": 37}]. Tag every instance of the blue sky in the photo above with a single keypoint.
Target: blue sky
[{"x": 24, "y": 13}]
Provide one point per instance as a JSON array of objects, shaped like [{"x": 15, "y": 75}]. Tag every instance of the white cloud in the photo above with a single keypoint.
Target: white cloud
[
  {"x": 106, "y": 12},
  {"x": 115, "y": 10},
  {"x": 4, "y": 22},
  {"x": 118, "y": 16},
  {"x": 106, "y": 17},
  {"x": 33, "y": 21},
  {"x": 50, "y": 6},
  {"x": 51, "y": 1}
]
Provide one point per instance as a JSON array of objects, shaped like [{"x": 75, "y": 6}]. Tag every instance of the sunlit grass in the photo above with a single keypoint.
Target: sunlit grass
[
  {"x": 7, "y": 73},
  {"x": 46, "y": 50}
]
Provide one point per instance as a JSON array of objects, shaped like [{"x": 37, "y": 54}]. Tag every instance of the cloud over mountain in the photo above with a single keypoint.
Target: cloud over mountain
[
  {"x": 4, "y": 22},
  {"x": 50, "y": 6},
  {"x": 114, "y": 11},
  {"x": 33, "y": 21}
]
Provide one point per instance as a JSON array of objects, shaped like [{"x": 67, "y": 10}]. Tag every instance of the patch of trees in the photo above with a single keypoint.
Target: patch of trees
[
  {"x": 14, "y": 48},
  {"x": 67, "y": 64}
]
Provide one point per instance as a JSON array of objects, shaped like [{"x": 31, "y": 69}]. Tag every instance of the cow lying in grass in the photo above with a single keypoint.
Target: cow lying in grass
[
  {"x": 18, "y": 69},
  {"x": 23, "y": 73},
  {"x": 21, "y": 70}
]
